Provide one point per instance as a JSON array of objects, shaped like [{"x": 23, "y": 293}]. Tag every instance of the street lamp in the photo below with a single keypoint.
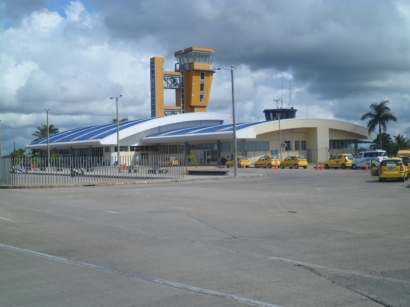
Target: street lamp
[
  {"x": 233, "y": 120},
  {"x": 118, "y": 133},
  {"x": 0, "y": 140},
  {"x": 278, "y": 115},
  {"x": 48, "y": 139}
]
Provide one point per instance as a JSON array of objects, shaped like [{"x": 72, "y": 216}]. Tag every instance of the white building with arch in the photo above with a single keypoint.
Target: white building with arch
[{"x": 206, "y": 135}]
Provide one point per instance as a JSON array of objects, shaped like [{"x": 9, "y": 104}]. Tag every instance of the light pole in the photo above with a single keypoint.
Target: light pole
[
  {"x": 0, "y": 140},
  {"x": 233, "y": 122},
  {"x": 280, "y": 138},
  {"x": 118, "y": 134},
  {"x": 48, "y": 140},
  {"x": 278, "y": 115}
]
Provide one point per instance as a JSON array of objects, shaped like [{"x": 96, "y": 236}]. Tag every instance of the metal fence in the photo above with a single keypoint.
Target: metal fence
[{"x": 88, "y": 170}]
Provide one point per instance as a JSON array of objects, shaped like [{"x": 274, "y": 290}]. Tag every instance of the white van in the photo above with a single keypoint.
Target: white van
[{"x": 365, "y": 156}]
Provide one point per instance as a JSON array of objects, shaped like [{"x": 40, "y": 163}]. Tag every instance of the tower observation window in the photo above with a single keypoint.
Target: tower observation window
[{"x": 194, "y": 56}]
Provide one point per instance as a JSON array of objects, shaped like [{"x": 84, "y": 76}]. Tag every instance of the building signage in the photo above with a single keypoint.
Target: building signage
[{"x": 171, "y": 112}]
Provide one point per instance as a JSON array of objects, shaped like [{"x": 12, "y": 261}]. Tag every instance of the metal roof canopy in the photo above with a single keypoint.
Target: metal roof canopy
[{"x": 130, "y": 131}]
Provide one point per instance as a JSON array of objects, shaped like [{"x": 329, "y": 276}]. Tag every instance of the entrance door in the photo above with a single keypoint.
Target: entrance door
[{"x": 143, "y": 158}]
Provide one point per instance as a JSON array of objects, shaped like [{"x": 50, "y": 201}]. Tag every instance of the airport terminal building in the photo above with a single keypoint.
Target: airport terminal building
[{"x": 186, "y": 128}]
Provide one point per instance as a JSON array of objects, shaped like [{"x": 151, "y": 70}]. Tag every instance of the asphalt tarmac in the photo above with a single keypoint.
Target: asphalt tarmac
[{"x": 289, "y": 238}]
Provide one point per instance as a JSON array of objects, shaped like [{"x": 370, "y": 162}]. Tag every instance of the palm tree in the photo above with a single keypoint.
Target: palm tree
[
  {"x": 379, "y": 115},
  {"x": 42, "y": 131},
  {"x": 18, "y": 153},
  {"x": 401, "y": 141},
  {"x": 385, "y": 140}
]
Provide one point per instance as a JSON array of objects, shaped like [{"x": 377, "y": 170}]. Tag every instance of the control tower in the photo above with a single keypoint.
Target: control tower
[
  {"x": 275, "y": 114},
  {"x": 191, "y": 80}
]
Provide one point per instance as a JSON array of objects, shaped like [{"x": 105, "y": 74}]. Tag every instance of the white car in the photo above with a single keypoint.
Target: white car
[{"x": 377, "y": 155}]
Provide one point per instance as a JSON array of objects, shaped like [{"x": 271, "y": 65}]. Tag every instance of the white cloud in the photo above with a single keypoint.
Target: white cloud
[{"x": 339, "y": 58}]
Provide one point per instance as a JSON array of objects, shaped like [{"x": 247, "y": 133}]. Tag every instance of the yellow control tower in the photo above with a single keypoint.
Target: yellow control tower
[{"x": 191, "y": 80}]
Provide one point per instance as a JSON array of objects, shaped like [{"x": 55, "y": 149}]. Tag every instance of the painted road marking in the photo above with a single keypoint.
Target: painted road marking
[
  {"x": 143, "y": 277},
  {"x": 6, "y": 219},
  {"x": 288, "y": 261}
]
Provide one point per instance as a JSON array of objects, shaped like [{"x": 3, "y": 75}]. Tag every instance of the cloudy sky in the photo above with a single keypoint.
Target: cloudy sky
[{"x": 328, "y": 59}]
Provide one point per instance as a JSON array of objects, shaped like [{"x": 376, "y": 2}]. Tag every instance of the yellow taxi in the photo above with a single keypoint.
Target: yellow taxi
[
  {"x": 339, "y": 160},
  {"x": 403, "y": 153},
  {"x": 406, "y": 162},
  {"x": 267, "y": 161},
  {"x": 392, "y": 168},
  {"x": 294, "y": 162},
  {"x": 242, "y": 162},
  {"x": 169, "y": 161}
]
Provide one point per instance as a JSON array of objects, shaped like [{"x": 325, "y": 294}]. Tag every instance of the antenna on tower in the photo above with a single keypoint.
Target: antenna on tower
[
  {"x": 290, "y": 92},
  {"x": 307, "y": 109},
  {"x": 281, "y": 99}
]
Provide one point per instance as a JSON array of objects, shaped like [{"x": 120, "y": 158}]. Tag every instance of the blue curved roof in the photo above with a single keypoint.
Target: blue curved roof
[
  {"x": 89, "y": 133},
  {"x": 205, "y": 129}
]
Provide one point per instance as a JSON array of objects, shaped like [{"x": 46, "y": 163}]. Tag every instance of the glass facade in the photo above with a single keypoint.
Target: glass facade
[
  {"x": 194, "y": 56},
  {"x": 297, "y": 145},
  {"x": 171, "y": 149},
  {"x": 249, "y": 146},
  {"x": 300, "y": 145},
  {"x": 143, "y": 148},
  {"x": 122, "y": 148},
  {"x": 342, "y": 144},
  {"x": 257, "y": 146}
]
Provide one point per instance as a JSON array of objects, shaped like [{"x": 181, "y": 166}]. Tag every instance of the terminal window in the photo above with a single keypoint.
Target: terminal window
[{"x": 297, "y": 145}]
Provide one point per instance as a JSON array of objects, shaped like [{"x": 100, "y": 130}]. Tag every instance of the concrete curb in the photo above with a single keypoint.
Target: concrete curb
[{"x": 131, "y": 182}]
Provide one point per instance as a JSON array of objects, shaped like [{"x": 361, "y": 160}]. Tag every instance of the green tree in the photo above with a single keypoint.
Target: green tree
[
  {"x": 385, "y": 140},
  {"x": 401, "y": 141},
  {"x": 379, "y": 115},
  {"x": 125, "y": 119},
  {"x": 18, "y": 154},
  {"x": 42, "y": 131},
  {"x": 192, "y": 158}
]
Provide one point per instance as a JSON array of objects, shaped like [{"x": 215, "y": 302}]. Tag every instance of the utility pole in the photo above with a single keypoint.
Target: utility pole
[
  {"x": 118, "y": 134},
  {"x": 0, "y": 141},
  {"x": 48, "y": 140}
]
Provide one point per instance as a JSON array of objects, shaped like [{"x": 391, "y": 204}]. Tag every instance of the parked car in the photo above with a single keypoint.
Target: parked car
[
  {"x": 377, "y": 155},
  {"x": 242, "y": 162},
  {"x": 267, "y": 161},
  {"x": 406, "y": 162},
  {"x": 294, "y": 162},
  {"x": 170, "y": 161},
  {"x": 403, "y": 153},
  {"x": 392, "y": 168},
  {"x": 339, "y": 160}
]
